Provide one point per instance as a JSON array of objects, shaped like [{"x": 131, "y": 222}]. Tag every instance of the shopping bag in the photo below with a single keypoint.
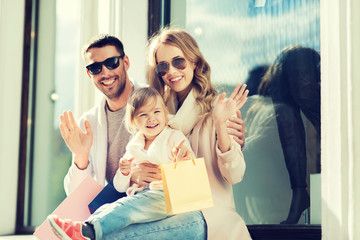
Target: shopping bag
[
  {"x": 74, "y": 206},
  {"x": 186, "y": 186},
  {"x": 108, "y": 195}
]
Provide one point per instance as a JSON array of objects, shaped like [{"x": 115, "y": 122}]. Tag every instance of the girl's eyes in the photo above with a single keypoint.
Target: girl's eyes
[{"x": 144, "y": 114}]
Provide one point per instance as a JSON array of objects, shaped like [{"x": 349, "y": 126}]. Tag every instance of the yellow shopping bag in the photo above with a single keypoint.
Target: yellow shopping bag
[{"x": 186, "y": 186}]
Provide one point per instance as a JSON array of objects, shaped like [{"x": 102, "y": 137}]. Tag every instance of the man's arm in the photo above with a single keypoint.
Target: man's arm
[
  {"x": 236, "y": 129},
  {"x": 79, "y": 142},
  {"x": 144, "y": 173}
]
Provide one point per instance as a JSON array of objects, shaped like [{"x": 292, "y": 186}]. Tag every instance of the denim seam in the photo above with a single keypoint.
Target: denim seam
[{"x": 163, "y": 229}]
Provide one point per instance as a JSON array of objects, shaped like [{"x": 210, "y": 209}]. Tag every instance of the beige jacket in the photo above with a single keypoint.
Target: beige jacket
[{"x": 224, "y": 169}]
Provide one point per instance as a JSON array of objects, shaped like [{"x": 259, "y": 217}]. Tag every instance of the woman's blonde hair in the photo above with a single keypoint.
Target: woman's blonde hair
[
  {"x": 204, "y": 90},
  {"x": 139, "y": 98}
]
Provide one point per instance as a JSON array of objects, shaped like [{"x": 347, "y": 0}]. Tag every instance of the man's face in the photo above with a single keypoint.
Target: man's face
[{"x": 110, "y": 82}]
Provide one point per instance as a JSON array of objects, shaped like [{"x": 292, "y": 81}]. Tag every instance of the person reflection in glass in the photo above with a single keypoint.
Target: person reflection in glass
[{"x": 293, "y": 83}]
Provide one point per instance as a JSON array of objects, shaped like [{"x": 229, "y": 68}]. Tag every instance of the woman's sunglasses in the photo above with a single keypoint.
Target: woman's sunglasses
[
  {"x": 163, "y": 67},
  {"x": 110, "y": 63}
]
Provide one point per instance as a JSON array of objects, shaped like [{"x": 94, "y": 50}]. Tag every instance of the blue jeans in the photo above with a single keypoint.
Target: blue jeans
[{"x": 143, "y": 216}]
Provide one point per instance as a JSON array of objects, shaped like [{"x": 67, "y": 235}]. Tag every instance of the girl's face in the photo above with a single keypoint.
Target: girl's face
[
  {"x": 179, "y": 80},
  {"x": 151, "y": 118}
]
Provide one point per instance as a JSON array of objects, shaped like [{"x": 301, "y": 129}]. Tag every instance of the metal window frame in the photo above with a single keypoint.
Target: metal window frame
[{"x": 27, "y": 118}]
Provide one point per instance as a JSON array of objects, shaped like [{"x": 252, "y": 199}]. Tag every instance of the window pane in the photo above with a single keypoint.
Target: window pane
[
  {"x": 66, "y": 51},
  {"x": 242, "y": 39},
  {"x": 54, "y": 94}
]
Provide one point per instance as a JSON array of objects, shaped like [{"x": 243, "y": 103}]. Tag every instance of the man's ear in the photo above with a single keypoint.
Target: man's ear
[
  {"x": 126, "y": 62},
  {"x": 87, "y": 71}
]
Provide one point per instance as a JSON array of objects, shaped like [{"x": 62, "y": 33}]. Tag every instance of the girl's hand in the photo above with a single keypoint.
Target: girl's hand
[
  {"x": 78, "y": 141},
  {"x": 225, "y": 108},
  {"x": 181, "y": 152},
  {"x": 125, "y": 166}
]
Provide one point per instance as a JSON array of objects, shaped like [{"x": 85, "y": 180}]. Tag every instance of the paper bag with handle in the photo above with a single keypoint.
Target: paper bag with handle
[{"x": 186, "y": 186}]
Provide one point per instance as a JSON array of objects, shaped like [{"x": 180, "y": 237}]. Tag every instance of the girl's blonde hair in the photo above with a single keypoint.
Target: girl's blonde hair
[
  {"x": 204, "y": 90},
  {"x": 139, "y": 98}
]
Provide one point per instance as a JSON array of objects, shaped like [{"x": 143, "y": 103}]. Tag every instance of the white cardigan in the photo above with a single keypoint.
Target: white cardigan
[{"x": 158, "y": 153}]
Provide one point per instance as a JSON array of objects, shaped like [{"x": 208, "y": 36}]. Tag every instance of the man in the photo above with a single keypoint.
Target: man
[
  {"x": 101, "y": 142},
  {"x": 107, "y": 66}
]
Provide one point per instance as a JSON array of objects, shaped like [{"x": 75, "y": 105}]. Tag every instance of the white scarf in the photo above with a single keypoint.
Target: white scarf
[
  {"x": 157, "y": 153},
  {"x": 187, "y": 116}
]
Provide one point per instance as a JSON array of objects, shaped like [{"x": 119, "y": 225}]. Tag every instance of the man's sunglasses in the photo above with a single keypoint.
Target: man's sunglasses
[
  {"x": 163, "y": 67},
  {"x": 110, "y": 63}
]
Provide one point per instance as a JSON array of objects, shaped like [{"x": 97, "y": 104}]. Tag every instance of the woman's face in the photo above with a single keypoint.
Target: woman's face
[{"x": 179, "y": 80}]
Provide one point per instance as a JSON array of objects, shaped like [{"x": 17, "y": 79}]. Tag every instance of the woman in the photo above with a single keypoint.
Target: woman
[{"x": 178, "y": 70}]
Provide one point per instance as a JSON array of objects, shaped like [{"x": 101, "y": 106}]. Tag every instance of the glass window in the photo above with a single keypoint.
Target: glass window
[
  {"x": 66, "y": 51},
  {"x": 54, "y": 93},
  {"x": 274, "y": 44}
]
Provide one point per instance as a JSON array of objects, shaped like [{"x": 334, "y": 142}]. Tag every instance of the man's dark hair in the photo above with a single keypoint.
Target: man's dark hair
[{"x": 103, "y": 40}]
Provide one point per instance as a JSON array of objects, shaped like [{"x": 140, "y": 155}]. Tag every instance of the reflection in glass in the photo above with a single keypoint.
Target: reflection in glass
[
  {"x": 290, "y": 85},
  {"x": 238, "y": 37}
]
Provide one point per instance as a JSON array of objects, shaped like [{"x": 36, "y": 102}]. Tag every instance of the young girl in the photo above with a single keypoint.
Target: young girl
[
  {"x": 155, "y": 142},
  {"x": 178, "y": 70},
  {"x": 146, "y": 118}
]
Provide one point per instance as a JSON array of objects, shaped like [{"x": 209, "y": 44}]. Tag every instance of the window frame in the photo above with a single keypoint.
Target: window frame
[{"x": 31, "y": 21}]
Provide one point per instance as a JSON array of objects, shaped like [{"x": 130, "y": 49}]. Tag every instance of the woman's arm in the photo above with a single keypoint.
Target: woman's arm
[{"x": 229, "y": 156}]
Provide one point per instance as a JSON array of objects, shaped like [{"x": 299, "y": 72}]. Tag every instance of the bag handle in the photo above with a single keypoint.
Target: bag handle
[{"x": 191, "y": 157}]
